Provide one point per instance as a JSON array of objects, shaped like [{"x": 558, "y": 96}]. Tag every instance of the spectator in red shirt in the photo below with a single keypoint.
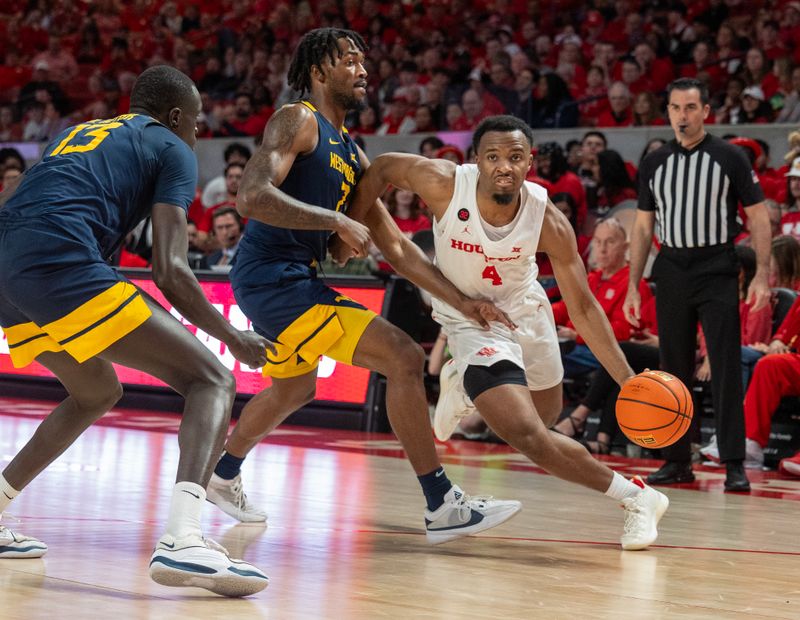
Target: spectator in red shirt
[
  {"x": 756, "y": 72},
  {"x": 594, "y": 96},
  {"x": 10, "y": 130},
  {"x": 631, "y": 75},
  {"x": 246, "y": 121},
  {"x": 398, "y": 119},
  {"x": 405, "y": 208},
  {"x": 619, "y": 113},
  {"x": 60, "y": 61},
  {"x": 703, "y": 62},
  {"x": 609, "y": 284},
  {"x": 367, "y": 121},
  {"x": 659, "y": 70},
  {"x": 647, "y": 111},
  {"x": 614, "y": 184},
  {"x": 474, "y": 111},
  {"x": 769, "y": 40},
  {"x": 551, "y": 165}
]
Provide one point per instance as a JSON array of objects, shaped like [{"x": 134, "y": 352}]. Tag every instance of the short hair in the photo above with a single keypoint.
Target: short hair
[
  {"x": 597, "y": 134},
  {"x": 502, "y": 122},
  {"x": 615, "y": 224},
  {"x": 236, "y": 147},
  {"x": 226, "y": 211},
  {"x": 312, "y": 50},
  {"x": 160, "y": 89},
  {"x": 233, "y": 165},
  {"x": 689, "y": 84},
  {"x": 432, "y": 141}
]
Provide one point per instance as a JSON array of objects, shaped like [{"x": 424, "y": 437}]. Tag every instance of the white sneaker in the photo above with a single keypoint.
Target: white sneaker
[
  {"x": 462, "y": 515},
  {"x": 642, "y": 514},
  {"x": 15, "y": 545},
  {"x": 753, "y": 455},
  {"x": 229, "y": 496},
  {"x": 711, "y": 450},
  {"x": 200, "y": 562},
  {"x": 453, "y": 404}
]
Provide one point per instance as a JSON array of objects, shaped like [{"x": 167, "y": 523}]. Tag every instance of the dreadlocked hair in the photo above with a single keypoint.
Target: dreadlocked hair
[{"x": 312, "y": 50}]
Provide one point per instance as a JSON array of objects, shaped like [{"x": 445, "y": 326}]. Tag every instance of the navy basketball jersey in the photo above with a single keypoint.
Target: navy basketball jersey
[
  {"x": 323, "y": 178},
  {"x": 103, "y": 177}
]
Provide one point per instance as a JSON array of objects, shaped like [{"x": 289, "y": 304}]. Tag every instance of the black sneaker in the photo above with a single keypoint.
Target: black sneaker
[
  {"x": 736, "y": 480},
  {"x": 672, "y": 472}
]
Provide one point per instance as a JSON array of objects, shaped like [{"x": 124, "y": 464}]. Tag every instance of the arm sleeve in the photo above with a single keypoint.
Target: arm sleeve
[
  {"x": 177, "y": 176},
  {"x": 745, "y": 181}
]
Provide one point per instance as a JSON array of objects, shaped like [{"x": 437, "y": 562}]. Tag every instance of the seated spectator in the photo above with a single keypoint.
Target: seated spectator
[
  {"x": 619, "y": 112},
  {"x": 398, "y": 120},
  {"x": 367, "y": 121},
  {"x": 227, "y": 230},
  {"x": 429, "y": 146},
  {"x": 550, "y": 164},
  {"x": 646, "y": 110},
  {"x": 757, "y": 72},
  {"x": 730, "y": 108},
  {"x": 553, "y": 106},
  {"x": 59, "y": 61},
  {"x": 423, "y": 120},
  {"x": 10, "y": 130},
  {"x": 703, "y": 62},
  {"x": 523, "y": 87},
  {"x": 754, "y": 107},
  {"x": 233, "y": 178},
  {"x": 246, "y": 120},
  {"x": 609, "y": 284},
  {"x": 593, "y": 100},
  {"x": 790, "y": 112},
  {"x": 195, "y": 255},
  {"x": 10, "y": 172},
  {"x": 633, "y": 77},
  {"x": 776, "y": 375},
  {"x": 614, "y": 184},
  {"x": 784, "y": 263},
  {"x": 653, "y": 144},
  {"x": 451, "y": 153},
  {"x": 790, "y": 220},
  {"x": 215, "y": 190},
  {"x": 473, "y": 111},
  {"x": 405, "y": 208}
]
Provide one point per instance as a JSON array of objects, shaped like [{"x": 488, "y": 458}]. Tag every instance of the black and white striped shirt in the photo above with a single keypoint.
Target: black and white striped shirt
[{"x": 695, "y": 193}]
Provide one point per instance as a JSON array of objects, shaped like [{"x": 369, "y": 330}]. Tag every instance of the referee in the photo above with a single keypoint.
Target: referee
[{"x": 691, "y": 187}]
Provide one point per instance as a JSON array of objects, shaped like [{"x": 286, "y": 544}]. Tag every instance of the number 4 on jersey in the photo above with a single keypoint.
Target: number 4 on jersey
[{"x": 490, "y": 273}]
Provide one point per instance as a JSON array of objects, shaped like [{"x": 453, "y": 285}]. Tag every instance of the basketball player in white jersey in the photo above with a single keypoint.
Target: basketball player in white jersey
[{"x": 489, "y": 224}]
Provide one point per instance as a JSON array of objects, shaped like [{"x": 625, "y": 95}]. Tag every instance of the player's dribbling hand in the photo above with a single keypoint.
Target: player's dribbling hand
[
  {"x": 484, "y": 312},
  {"x": 251, "y": 349},
  {"x": 355, "y": 235}
]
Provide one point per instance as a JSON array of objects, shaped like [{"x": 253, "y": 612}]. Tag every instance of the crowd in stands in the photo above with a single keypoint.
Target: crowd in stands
[
  {"x": 433, "y": 64},
  {"x": 445, "y": 65}
]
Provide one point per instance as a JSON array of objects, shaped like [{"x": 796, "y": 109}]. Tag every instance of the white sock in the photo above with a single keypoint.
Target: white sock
[
  {"x": 7, "y": 493},
  {"x": 187, "y": 503},
  {"x": 622, "y": 488}
]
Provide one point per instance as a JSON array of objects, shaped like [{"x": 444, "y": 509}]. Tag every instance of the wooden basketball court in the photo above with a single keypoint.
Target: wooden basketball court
[{"x": 345, "y": 537}]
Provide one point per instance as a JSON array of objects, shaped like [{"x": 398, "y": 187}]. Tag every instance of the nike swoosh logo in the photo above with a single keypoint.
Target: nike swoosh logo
[
  {"x": 332, "y": 141},
  {"x": 439, "y": 473},
  {"x": 7, "y": 495},
  {"x": 192, "y": 494},
  {"x": 172, "y": 546}
]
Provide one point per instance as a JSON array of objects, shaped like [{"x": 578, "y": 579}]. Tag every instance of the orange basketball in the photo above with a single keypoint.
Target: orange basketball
[{"x": 654, "y": 409}]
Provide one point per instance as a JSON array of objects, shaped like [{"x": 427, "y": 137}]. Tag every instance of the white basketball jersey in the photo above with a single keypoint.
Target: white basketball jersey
[{"x": 503, "y": 271}]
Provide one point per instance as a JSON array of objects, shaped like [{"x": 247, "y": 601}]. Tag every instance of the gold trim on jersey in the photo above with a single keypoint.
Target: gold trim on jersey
[
  {"x": 321, "y": 330},
  {"x": 86, "y": 331}
]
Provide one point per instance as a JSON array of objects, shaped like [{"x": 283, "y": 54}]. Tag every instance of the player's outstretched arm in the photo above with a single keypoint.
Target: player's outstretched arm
[
  {"x": 290, "y": 132},
  {"x": 172, "y": 275},
  {"x": 433, "y": 180},
  {"x": 558, "y": 241}
]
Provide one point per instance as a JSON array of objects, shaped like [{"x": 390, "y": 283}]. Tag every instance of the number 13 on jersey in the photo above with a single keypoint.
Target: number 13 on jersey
[{"x": 490, "y": 273}]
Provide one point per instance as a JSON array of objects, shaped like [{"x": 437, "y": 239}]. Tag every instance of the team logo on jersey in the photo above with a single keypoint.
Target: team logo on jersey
[
  {"x": 516, "y": 249},
  {"x": 463, "y": 214},
  {"x": 487, "y": 352}
]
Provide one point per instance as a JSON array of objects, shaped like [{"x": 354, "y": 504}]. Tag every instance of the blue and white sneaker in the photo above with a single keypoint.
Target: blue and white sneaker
[
  {"x": 462, "y": 515},
  {"x": 200, "y": 562},
  {"x": 14, "y": 545}
]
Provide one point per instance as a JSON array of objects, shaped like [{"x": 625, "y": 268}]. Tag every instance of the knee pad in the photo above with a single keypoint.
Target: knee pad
[{"x": 478, "y": 379}]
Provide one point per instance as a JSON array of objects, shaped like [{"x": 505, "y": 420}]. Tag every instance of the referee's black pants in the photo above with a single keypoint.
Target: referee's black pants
[{"x": 703, "y": 283}]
